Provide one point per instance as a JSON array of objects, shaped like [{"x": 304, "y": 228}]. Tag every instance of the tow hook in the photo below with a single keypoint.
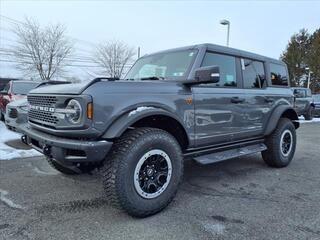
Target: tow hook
[
  {"x": 24, "y": 139},
  {"x": 46, "y": 150}
]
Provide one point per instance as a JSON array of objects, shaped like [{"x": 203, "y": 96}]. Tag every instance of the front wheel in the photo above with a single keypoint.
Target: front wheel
[
  {"x": 143, "y": 171},
  {"x": 281, "y": 144}
]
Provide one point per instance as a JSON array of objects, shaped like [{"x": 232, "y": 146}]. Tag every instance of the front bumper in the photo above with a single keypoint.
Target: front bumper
[
  {"x": 66, "y": 150},
  {"x": 15, "y": 123}
]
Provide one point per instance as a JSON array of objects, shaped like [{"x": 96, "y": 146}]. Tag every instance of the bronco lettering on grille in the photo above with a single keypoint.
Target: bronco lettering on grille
[{"x": 40, "y": 108}]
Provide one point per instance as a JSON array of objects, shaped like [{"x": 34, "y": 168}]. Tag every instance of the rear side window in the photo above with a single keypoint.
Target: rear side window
[
  {"x": 253, "y": 74},
  {"x": 279, "y": 75},
  {"x": 227, "y": 66}
]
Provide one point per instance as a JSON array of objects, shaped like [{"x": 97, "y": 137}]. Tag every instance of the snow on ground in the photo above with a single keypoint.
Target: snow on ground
[
  {"x": 6, "y": 152},
  {"x": 302, "y": 120}
]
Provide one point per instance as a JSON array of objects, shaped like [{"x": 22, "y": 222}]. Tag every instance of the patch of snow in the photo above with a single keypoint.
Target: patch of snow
[
  {"x": 8, "y": 201},
  {"x": 214, "y": 229},
  {"x": 302, "y": 120},
  {"x": 7, "y": 152},
  {"x": 139, "y": 109}
]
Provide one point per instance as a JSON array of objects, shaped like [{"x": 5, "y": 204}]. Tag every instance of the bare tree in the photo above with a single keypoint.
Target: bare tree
[
  {"x": 41, "y": 51},
  {"x": 114, "y": 56}
]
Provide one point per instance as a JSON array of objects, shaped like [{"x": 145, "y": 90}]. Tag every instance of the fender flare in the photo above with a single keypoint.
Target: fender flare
[
  {"x": 123, "y": 122},
  {"x": 276, "y": 115}
]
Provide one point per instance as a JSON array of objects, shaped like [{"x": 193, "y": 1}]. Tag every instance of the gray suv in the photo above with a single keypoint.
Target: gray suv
[
  {"x": 205, "y": 102},
  {"x": 303, "y": 103}
]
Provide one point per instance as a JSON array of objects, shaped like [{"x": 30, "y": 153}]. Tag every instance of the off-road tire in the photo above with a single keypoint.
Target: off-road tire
[
  {"x": 273, "y": 156},
  {"x": 118, "y": 170},
  {"x": 70, "y": 170},
  {"x": 1, "y": 116},
  {"x": 310, "y": 114}
]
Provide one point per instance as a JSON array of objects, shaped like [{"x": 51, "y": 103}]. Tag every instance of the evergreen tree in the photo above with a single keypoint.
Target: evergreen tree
[
  {"x": 314, "y": 61},
  {"x": 295, "y": 56}
]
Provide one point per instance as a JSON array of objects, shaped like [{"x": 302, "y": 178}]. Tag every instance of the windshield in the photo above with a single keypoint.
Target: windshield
[
  {"x": 169, "y": 65},
  {"x": 23, "y": 87}
]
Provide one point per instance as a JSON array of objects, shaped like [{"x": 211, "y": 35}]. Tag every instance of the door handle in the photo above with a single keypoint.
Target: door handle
[
  {"x": 268, "y": 100},
  {"x": 237, "y": 100}
]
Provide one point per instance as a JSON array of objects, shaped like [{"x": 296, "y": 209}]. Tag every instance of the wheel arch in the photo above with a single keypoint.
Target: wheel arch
[
  {"x": 149, "y": 117},
  {"x": 282, "y": 111}
]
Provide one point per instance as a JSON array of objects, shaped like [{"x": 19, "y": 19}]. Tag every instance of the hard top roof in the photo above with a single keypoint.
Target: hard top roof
[{"x": 225, "y": 50}]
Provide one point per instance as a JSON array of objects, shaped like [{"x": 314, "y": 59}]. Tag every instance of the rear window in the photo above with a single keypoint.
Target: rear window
[
  {"x": 279, "y": 75},
  {"x": 23, "y": 88}
]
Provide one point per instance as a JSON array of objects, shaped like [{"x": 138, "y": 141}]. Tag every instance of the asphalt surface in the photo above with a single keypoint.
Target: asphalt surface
[{"x": 238, "y": 199}]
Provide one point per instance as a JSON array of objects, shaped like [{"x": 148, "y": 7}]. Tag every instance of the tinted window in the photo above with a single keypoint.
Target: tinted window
[
  {"x": 278, "y": 75},
  {"x": 227, "y": 65},
  {"x": 23, "y": 88},
  {"x": 253, "y": 74}
]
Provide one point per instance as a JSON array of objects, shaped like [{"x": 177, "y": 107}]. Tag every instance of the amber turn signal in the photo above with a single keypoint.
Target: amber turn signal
[{"x": 89, "y": 111}]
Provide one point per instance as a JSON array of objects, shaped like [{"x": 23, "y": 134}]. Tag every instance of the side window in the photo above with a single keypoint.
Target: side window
[
  {"x": 253, "y": 74},
  {"x": 300, "y": 93},
  {"x": 278, "y": 75},
  {"x": 227, "y": 65}
]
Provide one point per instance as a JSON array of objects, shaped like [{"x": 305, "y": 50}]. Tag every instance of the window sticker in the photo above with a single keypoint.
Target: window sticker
[{"x": 229, "y": 78}]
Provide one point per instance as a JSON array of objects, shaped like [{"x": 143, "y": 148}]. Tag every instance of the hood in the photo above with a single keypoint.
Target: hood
[
  {"x": 73, "y": 89},
  {"x": 19, "y": 103},
  {"x": 134, "y": 87},
  {"x": 110, "y": 87}
]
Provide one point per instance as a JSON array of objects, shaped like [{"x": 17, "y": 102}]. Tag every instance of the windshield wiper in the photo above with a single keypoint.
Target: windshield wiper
[{"x": 152, "y": 78}]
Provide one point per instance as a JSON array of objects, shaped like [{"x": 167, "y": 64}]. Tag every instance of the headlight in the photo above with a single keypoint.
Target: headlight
[
  {"x": 24, "y": 108},
  {"x": 74, "y": 111}
]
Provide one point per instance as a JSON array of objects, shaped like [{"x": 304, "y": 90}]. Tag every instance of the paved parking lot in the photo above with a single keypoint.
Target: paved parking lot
[{"x": 238, "y": 199}]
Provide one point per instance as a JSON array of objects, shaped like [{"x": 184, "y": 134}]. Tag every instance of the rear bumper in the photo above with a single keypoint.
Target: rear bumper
[{"x": 66, "y": 150}]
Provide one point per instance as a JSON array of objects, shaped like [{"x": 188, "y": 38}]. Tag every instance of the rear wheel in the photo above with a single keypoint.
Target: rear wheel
[
  {"x": 143, "y": 171},
  {"x": 70, "y": 170},
  {"x": 310, "y": 113},
  {"x": 281, "y": 144}
]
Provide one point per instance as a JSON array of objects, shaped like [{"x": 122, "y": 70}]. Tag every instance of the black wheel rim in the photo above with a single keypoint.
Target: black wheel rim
[
  {"x": 152, "y": 174},
  {"x": 286, "y": 142}
]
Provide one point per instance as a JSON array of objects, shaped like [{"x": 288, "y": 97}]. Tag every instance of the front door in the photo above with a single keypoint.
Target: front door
[{"x": 218, "y": 106}]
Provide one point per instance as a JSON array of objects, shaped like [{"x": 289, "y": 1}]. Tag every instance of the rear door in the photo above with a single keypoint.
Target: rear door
[
  {"x": 219, "y": 106},
  {"x": 257, "y": 103}
]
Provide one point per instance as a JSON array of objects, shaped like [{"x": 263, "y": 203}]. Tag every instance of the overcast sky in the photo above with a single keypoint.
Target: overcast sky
[{"x": 263, "y": 27}]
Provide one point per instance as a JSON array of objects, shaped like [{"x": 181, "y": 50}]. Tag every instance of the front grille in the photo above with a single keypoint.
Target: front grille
[
  {"x": 42, "y": 117},
  {"x": 13, "y": 113},
  {"x": 44, "y": 101},
  {"x": 46, "y": 117}
]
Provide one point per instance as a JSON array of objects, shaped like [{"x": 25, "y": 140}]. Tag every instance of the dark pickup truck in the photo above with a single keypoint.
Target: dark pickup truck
[{"x": 205, "y": 102}]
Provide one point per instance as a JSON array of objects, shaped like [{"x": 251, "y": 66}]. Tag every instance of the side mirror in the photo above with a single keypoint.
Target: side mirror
[{"x": 209, "y": 74}]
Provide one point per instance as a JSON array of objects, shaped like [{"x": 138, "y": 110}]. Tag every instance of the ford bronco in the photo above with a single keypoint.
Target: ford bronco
[{"x": 205, "y": 102}]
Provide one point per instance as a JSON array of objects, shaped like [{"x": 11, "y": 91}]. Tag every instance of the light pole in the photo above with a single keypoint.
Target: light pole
[
  {"x": 309, "y": 76},
  {"x": 226, "y": 22}
]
